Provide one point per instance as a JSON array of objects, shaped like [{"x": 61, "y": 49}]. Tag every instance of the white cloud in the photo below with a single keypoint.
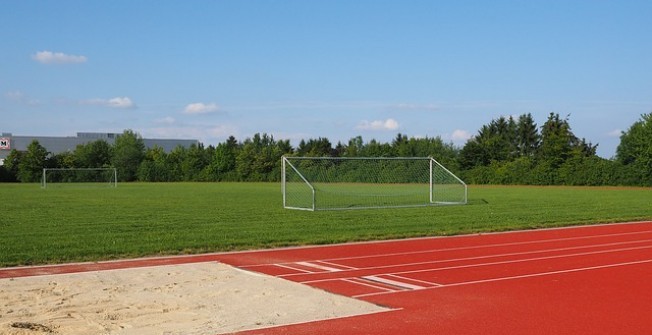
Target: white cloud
[
  {"x": 22, "y": 98},
  {"x": 120, "y": 102},
  {"x": 117, "y": 102},
  {"x": 15, "y": 95},
  {"x": 615, "y": 133},
  {"x": 460, "y": 135},
  {"x": 49, "y": 57},
  {"x": 205, "y": 134},
  {"x": 389, "y": 124},
  {"x": 200, "y": 108}
]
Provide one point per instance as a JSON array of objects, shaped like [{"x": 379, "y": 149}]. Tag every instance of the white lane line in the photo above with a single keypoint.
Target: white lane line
[
  {"x": 319, "y": 267},
  {"x": 531, "y": 275},
  {"x": 515, "y": 261},
  {"x": 428, "y": 283},
  {"x": 525, "y": 253},
  {"x": 346, "y": 267},
  {"x": 392, "y": 282},
  {"x": 357, "y": 281},
  {"x": 291, "y": 268},
  {"x": 507, "y": 244}
]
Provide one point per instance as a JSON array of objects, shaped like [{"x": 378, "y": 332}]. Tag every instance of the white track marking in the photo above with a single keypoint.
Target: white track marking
[
  {"x": 338, "y": 265},
  {"x": 428, "y": 283},
  {"x": 490, "y": 245},
  {"x": 526, "y": 260},
  {"x": 358, "y": 282},
  {"x": 319, "y": 267},
  {"x": 392, "y": 282},
  {"x": 531, "y": 275},
  {"x": 460, "y": 236},
  {"x": 283, "y": 265},
  {"x": 500, "y": 263},
  {"x": 542, "y": 251}
]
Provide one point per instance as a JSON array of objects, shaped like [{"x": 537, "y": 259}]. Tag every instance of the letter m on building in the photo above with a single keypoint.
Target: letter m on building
[{"x": 4, "y": 144}]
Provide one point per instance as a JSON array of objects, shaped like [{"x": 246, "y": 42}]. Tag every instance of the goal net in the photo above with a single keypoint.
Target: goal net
[
  {"x": 107, "y": 177},
  {"x": 325, "y": 183}
]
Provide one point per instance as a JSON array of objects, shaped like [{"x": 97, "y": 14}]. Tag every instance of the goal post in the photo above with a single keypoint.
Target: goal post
[
  {"x": 327, "y": 183},
  {"x": 80, "y": 176}
]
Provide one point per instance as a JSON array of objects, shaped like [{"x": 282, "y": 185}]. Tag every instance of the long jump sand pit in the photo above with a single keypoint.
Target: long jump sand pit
[{"x": 200, "y": 298}]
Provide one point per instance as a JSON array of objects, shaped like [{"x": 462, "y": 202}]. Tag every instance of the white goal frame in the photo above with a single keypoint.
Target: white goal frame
[
  {"x": 436, "y": 186},
  {"x": 111, "y": 183}
]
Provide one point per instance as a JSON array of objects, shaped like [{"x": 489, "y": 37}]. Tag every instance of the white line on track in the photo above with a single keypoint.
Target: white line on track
[
  {"x": 428, "y": 283},
  {"x": 284, "y": 265},
  {"x": 487, "y": 245},
  {"x": 346, "y": 267},
  {"x": 524, "y": 253},
  {"x": 531, "y": 275},
  {"x": 318, "y": 267},
  {"x": 501, "y": 262},
  {"x": 391, "y": 282},
  {"x": 357, "y": 281}
]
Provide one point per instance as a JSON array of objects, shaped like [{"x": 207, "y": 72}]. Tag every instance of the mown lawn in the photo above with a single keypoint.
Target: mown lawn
[{"x": 66, "y": 224}]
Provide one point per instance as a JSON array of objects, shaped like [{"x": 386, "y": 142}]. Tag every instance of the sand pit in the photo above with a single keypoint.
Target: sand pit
[{"x": 204, "y": 298}]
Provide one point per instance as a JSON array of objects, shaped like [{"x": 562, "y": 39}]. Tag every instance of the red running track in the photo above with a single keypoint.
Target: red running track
[{"x": 582, "y": 280}]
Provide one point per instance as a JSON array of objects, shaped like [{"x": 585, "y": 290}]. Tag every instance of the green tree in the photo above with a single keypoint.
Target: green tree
[
  {"x": 354, "y": 148},
  {"x": 154, "y": 166},
  {"x": 375, "y": 148},
  {"x": 319, "y": 147},
  {"x": 94, "y": 154},
  {"x": 558, "y": 143},
  {"x": 194, "y": 163},
  {"x": 30, "y": 168},
  {"x": 635, "y": 148},
  {"x": 259, "y": 158},
  {"x": 528, "y": 138},
  {"x": 128, "y": 153},
  {"x": 224, "y": 160},
  {"x": 12, "y": 162},
  {"x": 496, "y": 141}
]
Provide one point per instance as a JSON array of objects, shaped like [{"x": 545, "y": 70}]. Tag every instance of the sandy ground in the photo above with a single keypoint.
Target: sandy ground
[{"x": 204, "y": 298}]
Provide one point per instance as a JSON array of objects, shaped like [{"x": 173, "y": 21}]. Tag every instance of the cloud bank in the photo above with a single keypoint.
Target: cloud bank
[
  {"x": 460, "y": 135},
  {"x": 117, "y": 102},
  {"x": 200, "y": 108},
  {"x": 49, "y": 57},
  {"x": 389, "y": 124}
]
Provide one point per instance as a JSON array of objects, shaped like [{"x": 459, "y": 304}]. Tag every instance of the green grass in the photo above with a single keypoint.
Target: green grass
[{"x": 66, "y": 224}]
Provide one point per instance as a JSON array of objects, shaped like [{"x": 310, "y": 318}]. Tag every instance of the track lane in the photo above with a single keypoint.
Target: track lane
[{"x": 583, "y": 280}]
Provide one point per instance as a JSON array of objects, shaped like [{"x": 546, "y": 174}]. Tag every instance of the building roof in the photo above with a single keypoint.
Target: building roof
[{"x": 57, "y": 145}]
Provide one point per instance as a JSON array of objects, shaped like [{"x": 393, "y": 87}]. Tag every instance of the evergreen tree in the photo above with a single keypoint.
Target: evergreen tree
[
  {"x": 528, "y": 138},
  {"x": 558, "y": 143}
]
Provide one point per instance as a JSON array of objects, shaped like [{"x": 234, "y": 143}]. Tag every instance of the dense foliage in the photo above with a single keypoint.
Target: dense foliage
[{"x": 505, "y": 151}]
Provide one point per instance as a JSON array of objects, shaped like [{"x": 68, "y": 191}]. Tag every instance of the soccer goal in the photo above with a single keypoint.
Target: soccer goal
[
  {"x": 80, "y": 177},
  {"x": 326, "y": 183}
]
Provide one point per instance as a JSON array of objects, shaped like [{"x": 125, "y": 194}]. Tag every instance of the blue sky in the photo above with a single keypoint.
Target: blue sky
[{"x": 335, "y": 69}]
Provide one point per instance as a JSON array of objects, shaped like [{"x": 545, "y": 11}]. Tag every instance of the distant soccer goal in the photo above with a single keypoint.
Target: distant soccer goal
[
  {"x": 92, "y": 177},
  {"x": 326, "y": 183}
]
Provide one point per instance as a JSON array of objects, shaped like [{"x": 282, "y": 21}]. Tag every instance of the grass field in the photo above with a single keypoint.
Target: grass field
[{"x": 67, "y": 224}]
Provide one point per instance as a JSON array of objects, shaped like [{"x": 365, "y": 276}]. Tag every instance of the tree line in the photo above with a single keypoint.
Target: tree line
[{"x": 508, "y": 150}]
